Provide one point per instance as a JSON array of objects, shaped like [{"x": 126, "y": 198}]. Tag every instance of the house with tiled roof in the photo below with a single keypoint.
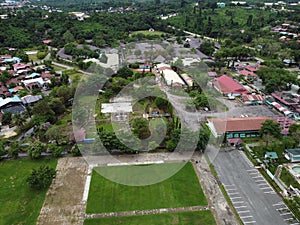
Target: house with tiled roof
[{"x": 229, "y": 87}]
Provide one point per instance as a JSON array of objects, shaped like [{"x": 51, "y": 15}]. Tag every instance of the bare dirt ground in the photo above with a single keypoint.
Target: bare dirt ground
[{"x": 63, "y": 203}]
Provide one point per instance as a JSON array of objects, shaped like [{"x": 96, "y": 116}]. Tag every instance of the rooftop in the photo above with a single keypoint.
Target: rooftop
[
  {"x": 228, "y": 85},
  {"x": 223, "y": 125}
]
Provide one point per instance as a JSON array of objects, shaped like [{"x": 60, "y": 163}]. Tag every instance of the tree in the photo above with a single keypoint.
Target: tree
[
  {"x": 124, "y": 72},
  {"x": 6, "y": 118},
  {"x": 56, "y": 150},
  {"x": 13, "y": 150},
  {"x": 203, "y": 140},
  {"x": 68, "y": 36},
  {"x": 270, "y": 129},
  {"x": 207, "y": 48},
  {"x": 41, "y": 178},
  {"x": 54, "y": 133},
  {"x": 294, "y": 131},
  {"x": 35, "y": 150},
  {"x": 19, "y": 120},
  {"x": 3, "y": 151},
  {"x": 140, "y": 128}
]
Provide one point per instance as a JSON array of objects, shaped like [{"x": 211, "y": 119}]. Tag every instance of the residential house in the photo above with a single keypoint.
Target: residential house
[
  {"x": 31, "y": 84},
  {"x": 13, "y": 105},
  {"x": 31, "y": 99}
]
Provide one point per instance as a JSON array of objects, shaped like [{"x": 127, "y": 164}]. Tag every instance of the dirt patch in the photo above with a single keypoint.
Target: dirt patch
[{"x": 63, "y": 203}]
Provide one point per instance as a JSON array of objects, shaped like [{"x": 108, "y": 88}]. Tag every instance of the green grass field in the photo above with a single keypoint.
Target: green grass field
[
  {"x": 182, "y": 189},
  {"x": 186, "y": 218},
  {"x": 20, "y": 204},
  {"x": 147, "y": 33}
]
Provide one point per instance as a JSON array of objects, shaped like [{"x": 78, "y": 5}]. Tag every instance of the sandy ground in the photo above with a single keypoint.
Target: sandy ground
[{"x": 63, "y": 203}]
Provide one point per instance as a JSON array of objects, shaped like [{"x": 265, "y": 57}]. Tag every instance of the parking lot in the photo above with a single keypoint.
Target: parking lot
[{"x": 253, "y": 198}]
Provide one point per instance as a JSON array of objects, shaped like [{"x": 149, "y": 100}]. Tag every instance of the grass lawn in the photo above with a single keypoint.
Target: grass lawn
[
  {"x": 185, "y": 218},
  {"x": 20, "y": 204},
  {"x": 147, "y": 33},
  {"x": 288, "y": 178},
  {"x": 181, "y": 189}
]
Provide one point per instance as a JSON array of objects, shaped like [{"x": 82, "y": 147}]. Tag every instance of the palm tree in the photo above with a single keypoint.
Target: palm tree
[{"x": 19, "y": 120}]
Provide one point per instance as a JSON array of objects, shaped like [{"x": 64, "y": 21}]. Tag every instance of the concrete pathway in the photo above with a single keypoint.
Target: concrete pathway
[{"x": 147, "y": 212}]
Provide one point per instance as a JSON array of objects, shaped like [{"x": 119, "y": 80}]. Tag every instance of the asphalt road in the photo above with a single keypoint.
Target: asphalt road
[{"x": 253, "y": 198}]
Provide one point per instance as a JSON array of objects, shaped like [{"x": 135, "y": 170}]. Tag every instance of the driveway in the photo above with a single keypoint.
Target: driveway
[{"x": 254, "y": 199}]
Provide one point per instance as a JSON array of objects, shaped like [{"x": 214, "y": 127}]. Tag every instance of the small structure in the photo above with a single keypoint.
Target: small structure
[
  {"x": 294, "y": 154},
  {"x": 253, "y": 99},
  {"x": 272, "y": 156},
  {"x": 234, "y": 141},
  {"x": 212, "y": 74},
  {"x": 116, "y": 107},
  {"x": 31, "y": 99},
  {"x": 221, "y": 4}
]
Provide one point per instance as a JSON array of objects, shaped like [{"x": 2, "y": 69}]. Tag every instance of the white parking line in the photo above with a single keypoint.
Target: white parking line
[
  {"x": 230, "y": 194},
  {"x": 238, "y": 202},
  {"x": 257, "y": 176},
  {"x": 238, "y": 207},
  {"x": 260, "y": 182},
  {"x": 249, "y": 222},
  {"x": 226, "y": 185},
  {"x": 231, "y": 189},
  {"x": 244, "y": 217},
  {"x": 270, "y": 192},
  {"x": 279, "y": 203},
  {"x": 263, "y": 184},
  {"x": 235, "y": 197},
  {"x": 288, "y": 213},
  {"x": 282, "y": 208},
  {"x": 288, "y": 219},
  {"x": 265, "y": 188},
  {"x": 245, "y": 211},
  {"x": 252, "y": 170}
]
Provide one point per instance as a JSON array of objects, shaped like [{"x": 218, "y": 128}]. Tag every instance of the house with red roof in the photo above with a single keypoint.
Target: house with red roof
[
  {"x": 229, "y": 87},
  {"x": 247, "y": 74},
  {"x": 20, "y": 67}
]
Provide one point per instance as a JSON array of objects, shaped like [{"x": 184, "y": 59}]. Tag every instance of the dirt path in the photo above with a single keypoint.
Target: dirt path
[
  {"x": 63, "y": 203},
  {"x": 150, "y": 211}
]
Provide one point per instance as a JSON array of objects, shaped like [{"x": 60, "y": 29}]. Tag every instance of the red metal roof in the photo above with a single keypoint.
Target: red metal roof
[
  {"x": 227, "y": 85},
  {"x": 223, "y": 125}
]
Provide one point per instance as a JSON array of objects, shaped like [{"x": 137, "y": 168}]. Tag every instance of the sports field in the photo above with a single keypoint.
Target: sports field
[{"x": 182, "y": 189}]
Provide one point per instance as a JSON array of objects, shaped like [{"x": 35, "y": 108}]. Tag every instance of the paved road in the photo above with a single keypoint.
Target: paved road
[{"x": 254, "y": 199}]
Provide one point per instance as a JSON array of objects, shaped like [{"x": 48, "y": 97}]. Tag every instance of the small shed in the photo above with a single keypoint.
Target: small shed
[{"x": 272, "y": 156}]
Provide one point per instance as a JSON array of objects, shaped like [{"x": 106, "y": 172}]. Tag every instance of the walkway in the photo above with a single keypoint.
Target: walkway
[{"x": 147, "y": 212}]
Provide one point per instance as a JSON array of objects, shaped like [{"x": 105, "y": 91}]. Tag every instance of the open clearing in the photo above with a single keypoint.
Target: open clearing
[
  {"x": 185, "y": 218},
  {"x": 182, "y": 189},
  {"x": 147, "y": 32},
  {"x": 19, "y": 203}
]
